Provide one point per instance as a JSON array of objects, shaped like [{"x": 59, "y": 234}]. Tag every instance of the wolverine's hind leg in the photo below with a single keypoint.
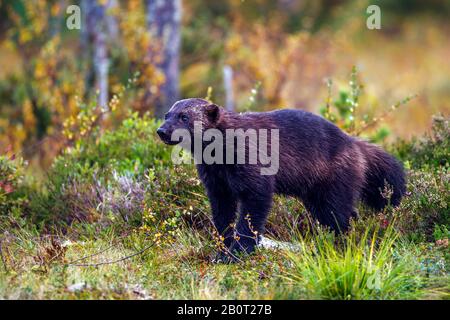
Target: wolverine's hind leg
[{"x": 332, "y": 206}]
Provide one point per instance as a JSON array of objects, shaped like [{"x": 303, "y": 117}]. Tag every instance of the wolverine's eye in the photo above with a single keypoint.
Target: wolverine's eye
[{"x": 184, "y": 118}]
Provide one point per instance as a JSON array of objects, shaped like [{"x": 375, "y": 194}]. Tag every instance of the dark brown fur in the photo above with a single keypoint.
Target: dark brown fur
[{"x": 318, "y": 163}]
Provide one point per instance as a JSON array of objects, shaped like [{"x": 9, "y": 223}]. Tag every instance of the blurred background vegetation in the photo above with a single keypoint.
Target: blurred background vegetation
[
  {"x": 55, "y": 83},
  {"x": 84, "y": 180}
]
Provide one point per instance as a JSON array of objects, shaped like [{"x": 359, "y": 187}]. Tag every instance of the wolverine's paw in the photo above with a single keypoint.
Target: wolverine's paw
[
  {"x": 225, "y": 258},
  {"x": 243, "y": 247}
]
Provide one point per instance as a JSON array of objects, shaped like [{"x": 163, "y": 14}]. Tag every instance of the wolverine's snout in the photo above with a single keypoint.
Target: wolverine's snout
[
  {"x": 165, "y": 135},
  {"x": 162, "y": 133}
]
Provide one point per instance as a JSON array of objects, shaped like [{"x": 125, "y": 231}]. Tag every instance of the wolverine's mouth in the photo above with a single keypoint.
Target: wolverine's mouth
[
  {"x": 170, "y": 142},
  {"x": 166, "y": 137}
]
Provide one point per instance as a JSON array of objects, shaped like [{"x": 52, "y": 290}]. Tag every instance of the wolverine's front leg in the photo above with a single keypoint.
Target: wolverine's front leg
[
  {"x": 254, "y": 209},
  {"x": 223, "y": 207}
]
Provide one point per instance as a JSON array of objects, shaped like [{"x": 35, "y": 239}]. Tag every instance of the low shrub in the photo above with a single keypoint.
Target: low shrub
[
  {"x": 426, "y": 204},
  {"x": 124, "y": 175},
  {"x": 12, "y": 196},
  {"x": 430, "y": 151}
]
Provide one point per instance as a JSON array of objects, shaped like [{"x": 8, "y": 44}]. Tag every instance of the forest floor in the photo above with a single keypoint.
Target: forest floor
[{"x": 105, "y": 226}]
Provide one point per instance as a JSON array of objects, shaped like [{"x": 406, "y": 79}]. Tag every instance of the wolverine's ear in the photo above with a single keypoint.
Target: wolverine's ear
[{"x": 212, "y": 111}]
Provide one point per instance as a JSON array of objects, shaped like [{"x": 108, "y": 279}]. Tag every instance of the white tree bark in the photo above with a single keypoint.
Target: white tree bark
[
  {"x": 164, "y": 21},
  {"x": 99, "y": 27},
  {"x": 101, "y": 63},
  {"x": 228, "y": 86}
]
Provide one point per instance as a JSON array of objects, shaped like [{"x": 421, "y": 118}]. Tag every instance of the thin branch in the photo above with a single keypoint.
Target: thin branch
[
  {"x": 112, "y": 261},
  {"x": 225, "y": 250},
  {"x": 100, "y": 251},
  {"x": 385, "y": 114},
  {"x": 91, "y": 255}
]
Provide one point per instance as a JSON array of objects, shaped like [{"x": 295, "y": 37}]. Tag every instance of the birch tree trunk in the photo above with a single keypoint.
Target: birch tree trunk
[
  {"x": 228, "y": 87},
  {"x": 97, "y": 26},
  {"x": 163, "y": 21}
]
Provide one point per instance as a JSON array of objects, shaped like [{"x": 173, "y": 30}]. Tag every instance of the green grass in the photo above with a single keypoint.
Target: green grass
[
  {"x": 360, "y": 266},
  {"x": 371, "y": 264},
  {"x": 53, "y": 235}
]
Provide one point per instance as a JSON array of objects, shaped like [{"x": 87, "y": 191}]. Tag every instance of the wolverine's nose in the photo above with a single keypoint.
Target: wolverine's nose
[{"x": 162, "y": 133}]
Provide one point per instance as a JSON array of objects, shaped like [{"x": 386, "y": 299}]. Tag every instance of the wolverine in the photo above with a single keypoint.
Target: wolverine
[{"x": 327, "y": 169}]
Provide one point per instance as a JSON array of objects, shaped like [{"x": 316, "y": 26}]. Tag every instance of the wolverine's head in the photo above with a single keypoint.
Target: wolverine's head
[{"x": 184, "y": 113}]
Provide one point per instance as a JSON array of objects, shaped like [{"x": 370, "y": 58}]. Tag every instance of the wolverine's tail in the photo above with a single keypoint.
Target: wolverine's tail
[{"x": 384, "y": 178}]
